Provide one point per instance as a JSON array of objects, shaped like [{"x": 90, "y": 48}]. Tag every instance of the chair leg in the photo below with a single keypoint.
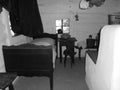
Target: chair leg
[
  {"x": 65, "y": 60},
  {"x": 79, "y": 50},
  {"x": 51, "y": 81},
  {"x": 72, "y": 60}
]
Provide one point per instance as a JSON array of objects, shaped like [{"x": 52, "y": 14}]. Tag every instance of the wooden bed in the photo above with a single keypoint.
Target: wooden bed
[{"x": 30, "y": 60}]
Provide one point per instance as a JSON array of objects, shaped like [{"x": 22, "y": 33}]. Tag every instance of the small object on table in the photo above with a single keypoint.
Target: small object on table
[{"x": 6, "y": 80}]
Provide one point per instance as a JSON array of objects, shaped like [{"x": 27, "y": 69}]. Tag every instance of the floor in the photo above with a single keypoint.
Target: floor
[{"x": 65, "y": 78}]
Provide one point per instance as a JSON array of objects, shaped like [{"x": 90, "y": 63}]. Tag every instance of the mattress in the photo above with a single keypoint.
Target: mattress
[{"x": 46, "y": 42}]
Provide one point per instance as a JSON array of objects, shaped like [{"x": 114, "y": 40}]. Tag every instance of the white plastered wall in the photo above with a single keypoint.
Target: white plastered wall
[{"x": 106, "y": 74}]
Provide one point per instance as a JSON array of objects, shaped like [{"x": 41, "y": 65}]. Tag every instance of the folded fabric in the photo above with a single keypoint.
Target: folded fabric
[{"x": 43, "y": 41}]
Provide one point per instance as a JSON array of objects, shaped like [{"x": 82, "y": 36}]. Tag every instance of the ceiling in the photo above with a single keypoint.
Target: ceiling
[{"x": 58, "y": 6}]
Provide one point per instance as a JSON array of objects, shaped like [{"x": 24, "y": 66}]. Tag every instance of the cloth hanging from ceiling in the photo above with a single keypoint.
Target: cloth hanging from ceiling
[
  {"x": 30, "y": 20},
  {"x": 24, "y": 16}
]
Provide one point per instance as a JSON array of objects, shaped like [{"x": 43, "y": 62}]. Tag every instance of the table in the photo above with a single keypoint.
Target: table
[
  {"x": 62, "y": 42},
  {"x": 6, "y": 80}
]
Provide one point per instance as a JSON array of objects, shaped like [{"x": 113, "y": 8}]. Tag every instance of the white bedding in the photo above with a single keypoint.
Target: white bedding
[{"x": 46, "y": 42}]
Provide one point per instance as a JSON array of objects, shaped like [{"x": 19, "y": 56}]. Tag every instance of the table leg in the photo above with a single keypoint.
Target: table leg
[
  {"x": 60, "y": 54},
  {"x": 80, "y": 52}
]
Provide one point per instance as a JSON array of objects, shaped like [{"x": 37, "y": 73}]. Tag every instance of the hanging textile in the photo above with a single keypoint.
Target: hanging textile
[
  {"x": 30, "y": 20},
  {"x": 25, "y": 18}
]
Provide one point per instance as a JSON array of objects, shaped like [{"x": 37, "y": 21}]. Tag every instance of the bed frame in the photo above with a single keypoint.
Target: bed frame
[{"x": 29, "y": 60}]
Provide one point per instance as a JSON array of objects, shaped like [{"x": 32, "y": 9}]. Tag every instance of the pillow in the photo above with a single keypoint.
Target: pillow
[{"x": 43, "y": 41}]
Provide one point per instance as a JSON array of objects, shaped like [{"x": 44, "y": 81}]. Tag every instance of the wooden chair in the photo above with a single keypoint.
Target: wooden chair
[
  {"x": 6, "y": 80},
  {"x": 69, "y": 51}
]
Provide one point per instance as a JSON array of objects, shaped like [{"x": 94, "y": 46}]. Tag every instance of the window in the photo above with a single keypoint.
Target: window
[{"x": 63, "y": 24}]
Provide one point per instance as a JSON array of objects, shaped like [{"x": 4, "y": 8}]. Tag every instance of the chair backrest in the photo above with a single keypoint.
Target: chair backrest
[
  {"x": 28, "y": 58},
  {"x": 70, "y": 44},
  {"x": 90, "y": 43}
]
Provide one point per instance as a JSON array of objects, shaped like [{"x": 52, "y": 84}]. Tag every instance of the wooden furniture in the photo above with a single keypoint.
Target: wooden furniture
[
  {"x": 113, "y": 19},
  {"x": 29, "y": 60},
  {"x": 6, "y": 80},
  {"x": 69, "y": 51},
  {"x": 63, "y": 42},
  {"x": 90, "y": 45},
  {"x": 79, "y": 51}
]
